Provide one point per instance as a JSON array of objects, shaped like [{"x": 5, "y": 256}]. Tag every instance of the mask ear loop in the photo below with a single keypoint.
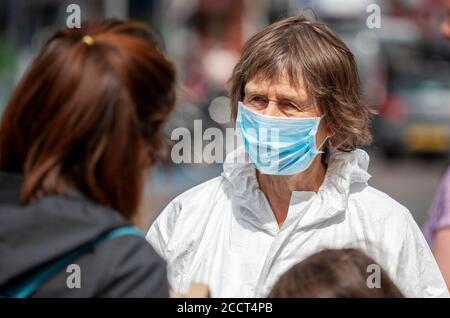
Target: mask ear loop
[
  {"x": 318, "y": 151},
  {"x": 321, "y": 145}
]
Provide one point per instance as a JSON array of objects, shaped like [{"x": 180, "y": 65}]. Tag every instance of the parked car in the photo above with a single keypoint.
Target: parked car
[{"x": 415, "y": 117}]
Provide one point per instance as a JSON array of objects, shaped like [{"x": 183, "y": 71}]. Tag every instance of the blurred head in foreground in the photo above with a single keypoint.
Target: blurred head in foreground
[
  {"x": 334, "y": 274},
  {"x": 87, "y": 115}
]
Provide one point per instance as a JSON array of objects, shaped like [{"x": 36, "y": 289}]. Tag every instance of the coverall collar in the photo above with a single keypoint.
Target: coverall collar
[{"x": 345, "y": 169}]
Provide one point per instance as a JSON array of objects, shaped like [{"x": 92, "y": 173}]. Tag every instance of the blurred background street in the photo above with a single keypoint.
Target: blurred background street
[{"x": 404, "y": 69}]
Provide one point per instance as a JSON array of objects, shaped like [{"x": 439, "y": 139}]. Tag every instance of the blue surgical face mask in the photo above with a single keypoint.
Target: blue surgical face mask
[{"x": 278, "y": 145}]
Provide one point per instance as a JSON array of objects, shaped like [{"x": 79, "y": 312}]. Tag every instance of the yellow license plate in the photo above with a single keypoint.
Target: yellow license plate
[{"x": 423, "y": 137}]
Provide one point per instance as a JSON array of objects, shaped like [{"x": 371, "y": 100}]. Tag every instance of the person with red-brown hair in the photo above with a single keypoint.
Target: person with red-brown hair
[{"x": 77, "y": 138}]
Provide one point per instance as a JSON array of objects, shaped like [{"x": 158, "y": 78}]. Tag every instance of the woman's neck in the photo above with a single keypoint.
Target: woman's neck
[{"x": 278, "y": 189}]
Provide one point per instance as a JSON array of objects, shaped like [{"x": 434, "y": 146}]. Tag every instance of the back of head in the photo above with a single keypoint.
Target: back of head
[
  {"x": 88, "y": 113},
  {"x": 334, "y": 274}
]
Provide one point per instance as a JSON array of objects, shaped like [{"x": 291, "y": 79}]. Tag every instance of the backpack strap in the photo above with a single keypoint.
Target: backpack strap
[{"x": 26, "y": 287}]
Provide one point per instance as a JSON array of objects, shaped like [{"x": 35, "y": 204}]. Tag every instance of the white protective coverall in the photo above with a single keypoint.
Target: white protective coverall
[{"x": 223, "y": 232}]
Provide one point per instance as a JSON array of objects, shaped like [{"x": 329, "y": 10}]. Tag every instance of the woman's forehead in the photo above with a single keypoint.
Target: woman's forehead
[{"x": 279, "y": 85}]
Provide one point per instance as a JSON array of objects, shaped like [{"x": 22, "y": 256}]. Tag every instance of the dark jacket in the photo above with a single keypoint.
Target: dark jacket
[{"x": 35, "y": 234}]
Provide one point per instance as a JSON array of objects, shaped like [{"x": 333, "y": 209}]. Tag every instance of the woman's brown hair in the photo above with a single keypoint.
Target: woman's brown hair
[
  {"x": 88, "y": 114},
  {"x": 308, "y": 50},
  {"x": 334, "y": 274}
]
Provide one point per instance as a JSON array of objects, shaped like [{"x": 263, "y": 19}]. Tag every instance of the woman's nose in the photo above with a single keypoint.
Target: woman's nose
[{"x": 272, "y": 110}]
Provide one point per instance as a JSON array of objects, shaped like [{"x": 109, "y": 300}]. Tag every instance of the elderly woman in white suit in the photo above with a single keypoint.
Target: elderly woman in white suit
[{"x": 298, "y": 185}]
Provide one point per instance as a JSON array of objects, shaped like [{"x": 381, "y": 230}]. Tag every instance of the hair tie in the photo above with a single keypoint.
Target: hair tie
[{"x": 88, "y": 40}]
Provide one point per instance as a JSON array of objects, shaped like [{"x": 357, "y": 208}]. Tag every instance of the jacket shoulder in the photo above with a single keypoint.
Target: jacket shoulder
[
  {"x": 377, "y": 205},
  {"x": 185, "y": 214},
  {"x": 133, "y": 269},
  {"x": 195, "y": 199},
  {"x": 201, "y": 191},
  {"x": 126, "y": 266}
]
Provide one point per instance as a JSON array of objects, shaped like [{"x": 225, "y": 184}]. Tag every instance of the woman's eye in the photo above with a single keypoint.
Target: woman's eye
[
  {"x": 291, "y": 107},
  {"x": 299, "y": 107},
  {"x": 258, "y": 101}
]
